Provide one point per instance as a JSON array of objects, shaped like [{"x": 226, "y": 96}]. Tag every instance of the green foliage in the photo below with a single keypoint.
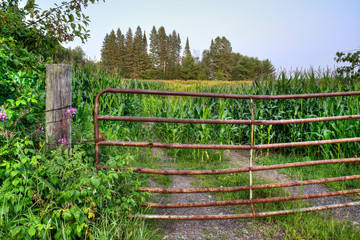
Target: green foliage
[
  {"x": 125, "y": 54},
  {"x": 189, "y": 68},
  {"x": 27, "y": 36},
  {"x": 187, "y": 48},
  {"x": 51, "y": 195},
  {"x": 19, "y": 69},
  {"x": 74, "y": 56},
  {"x": 352, "y": 70},
  {"x": 128, "y": 55},
  {"x": 41, "y": 31},
  {"x": 220, "y": 59},
  {"x": 245, "y": 68}
]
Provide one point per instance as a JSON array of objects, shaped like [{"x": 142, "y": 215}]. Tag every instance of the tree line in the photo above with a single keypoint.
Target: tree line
[{"x": 162, "y": 58}]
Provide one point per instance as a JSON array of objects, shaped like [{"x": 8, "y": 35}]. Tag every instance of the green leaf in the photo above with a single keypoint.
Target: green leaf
[
  {"x": 95, "y": 182},
  {"x": 15, "y": 231},
  {"x": 76, "y": 195},
  {"x": 77, "y": 214},
  {"x": 66, "y": 215},
  {"x": 15, "y": 182},
  {"x": 69, "y": 194},
  {"x": 14, "y": 173},
  {"x": 54, "y": 180},
  {"x": 71, "y": 18},
  {"x": 32, "y": 231}
]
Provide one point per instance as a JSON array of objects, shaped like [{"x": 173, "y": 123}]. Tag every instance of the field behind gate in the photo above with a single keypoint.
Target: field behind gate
[{"x": 87, "y": 82}]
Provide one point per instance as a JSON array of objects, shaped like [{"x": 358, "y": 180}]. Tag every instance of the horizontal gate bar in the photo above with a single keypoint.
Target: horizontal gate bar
[
  {"x": 221, "y": 121},
  {"x": 220, "y": 95},
  {"x": 254, "y": 201},
  {"x": 308, "y": 143},
  {"x": 219, "y": 146},
  {"x": 172, "y": 145},
  {"x": 233, "y": 170},
  {"x": 256, "y": 215},
  {"x": 242, "y": 188},
  {"x": 172, "y": 120}
]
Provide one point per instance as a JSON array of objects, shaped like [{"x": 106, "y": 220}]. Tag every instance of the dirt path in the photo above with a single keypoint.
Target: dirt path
[
  {"x": 205, "y": 229},
  {"x": 232, "y": 229}
]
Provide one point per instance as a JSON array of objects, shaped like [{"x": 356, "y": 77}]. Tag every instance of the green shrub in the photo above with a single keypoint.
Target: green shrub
[{"x": 51, "y": 195}]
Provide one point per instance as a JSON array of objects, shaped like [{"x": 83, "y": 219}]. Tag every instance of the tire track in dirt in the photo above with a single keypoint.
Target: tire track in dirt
[
  {"x": 204, "y": 229},
  {"x": 237, "y": 228}
]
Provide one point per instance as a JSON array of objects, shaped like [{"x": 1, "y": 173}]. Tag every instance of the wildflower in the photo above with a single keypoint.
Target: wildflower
[
  {"x": 39, "y": 130},
  {"x": 71, "y": 112},
  {"x": 62, "y": 140},
  {"x": 3, "y": 115}
]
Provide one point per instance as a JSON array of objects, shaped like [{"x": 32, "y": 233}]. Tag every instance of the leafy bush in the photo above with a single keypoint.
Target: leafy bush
[
  {"x": 20, "y": 70},
  {"x": 54, "y": 194}
]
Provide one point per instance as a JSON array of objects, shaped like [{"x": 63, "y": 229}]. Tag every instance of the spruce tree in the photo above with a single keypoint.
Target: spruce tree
[
  {"x": 174, "y": 45},
  {"x": 154, "y": 46},
  {"x": 146, "y": 58},
  {"x": 105, "y": 51},
  {"x": 221, "y": 58},
  {"x": 267, "y": 68},
  {"x": 120, "y": 51},
  {"x": 108, "y": 51},
  {"x": 112, "y": 51},
  {"x": 140, "y": 53},
  {"x": 129, "y": 53},
  {"x": 163, "y": 47},
  {"x": 189, "y": 69},
  {"x": 205, "y": 65},
  {"x": 187, "y": 48},
  {"x": 138, "y": 48}
]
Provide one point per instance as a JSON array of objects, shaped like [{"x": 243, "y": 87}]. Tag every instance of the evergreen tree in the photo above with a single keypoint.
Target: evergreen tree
[
  {"x": 154, "y": 46},
  {"x": 108, "y": 52},
  {"x": 174, "y": 54},
  {"x": 105, "y": 50},
  {"x": 120, "y": 51},
  {"x": 189, "y": 69},
  {"x": 187, "y": 48},
  {"x": 204, "y": 66},
  {"x": 163, "y": 48},
  {"x": 129, "y": 53},
  {"x": 267, "y": 68},
  {"x": 145, "y": 44},
  {"x": 138, "y": 48},
  {"x": 146, "y": 58},
  {"x": 221, "y": 58},
  {"x": 140, "y": 54}
]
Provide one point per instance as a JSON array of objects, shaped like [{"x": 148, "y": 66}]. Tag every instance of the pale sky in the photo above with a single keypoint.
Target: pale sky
[{"x": 290, "y": 33}]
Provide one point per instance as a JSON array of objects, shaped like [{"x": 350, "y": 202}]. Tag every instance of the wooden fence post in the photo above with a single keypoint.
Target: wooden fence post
[{"x": 58, "y": 101}]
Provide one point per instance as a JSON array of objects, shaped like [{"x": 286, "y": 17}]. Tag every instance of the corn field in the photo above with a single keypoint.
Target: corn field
[{"x": 89, "y": 81}]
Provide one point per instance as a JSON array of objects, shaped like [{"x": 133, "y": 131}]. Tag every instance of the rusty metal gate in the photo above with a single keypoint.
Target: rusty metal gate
[{"x": 250, "y": 169}]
